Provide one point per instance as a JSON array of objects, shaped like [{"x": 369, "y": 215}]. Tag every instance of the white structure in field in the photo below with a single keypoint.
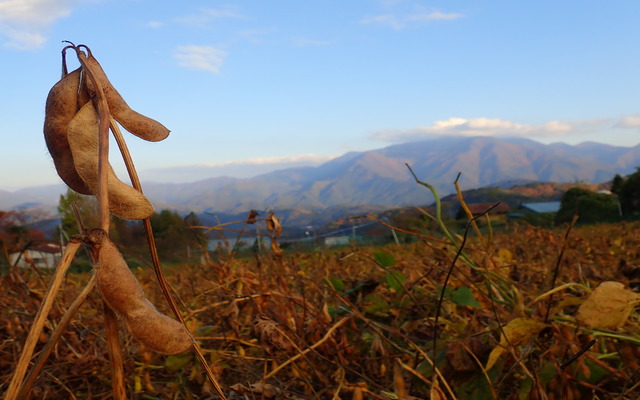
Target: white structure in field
[{"x": 41, "y": 255}]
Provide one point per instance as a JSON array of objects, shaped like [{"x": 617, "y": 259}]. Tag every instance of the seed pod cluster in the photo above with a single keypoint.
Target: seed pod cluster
[
  {"x": 124, "y": 294},
  {"x": 71, "y": 134},
  {"x": 124, "y": 200}
]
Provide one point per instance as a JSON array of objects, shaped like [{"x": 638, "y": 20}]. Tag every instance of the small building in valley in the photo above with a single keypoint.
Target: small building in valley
[
  {"x": 541, "y": 207},
  {"x": 41, "y": 254}
]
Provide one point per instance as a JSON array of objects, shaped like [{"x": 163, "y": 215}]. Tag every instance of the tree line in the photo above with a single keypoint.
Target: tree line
[{"x": 623, "y": 203}]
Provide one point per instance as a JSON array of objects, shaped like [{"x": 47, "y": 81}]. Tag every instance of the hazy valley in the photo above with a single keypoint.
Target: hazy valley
[{"x": 360, "y": 182}]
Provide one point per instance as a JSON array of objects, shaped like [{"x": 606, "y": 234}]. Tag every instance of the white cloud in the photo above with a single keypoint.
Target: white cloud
[
  {"x": 155, "y": 24},
  {"x": 204, "y": 58},
  {"x": 25, "y": 23},
  {"x": 630, "y": 121},
  {"x": 434, "y": 15},
  {"x": 489, "y": 127},
  {"x": 401, "y": 21},
  {"x": 206, "y": 16},
  {"x": 385, "y": 20}
]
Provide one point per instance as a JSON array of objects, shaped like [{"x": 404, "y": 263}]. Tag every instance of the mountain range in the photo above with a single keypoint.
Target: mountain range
[{"x": 380, "y": 178}]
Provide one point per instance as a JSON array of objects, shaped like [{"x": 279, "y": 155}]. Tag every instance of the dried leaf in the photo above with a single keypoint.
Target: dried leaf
[
  {"x": 518, "y": 331},
  {"x": 273, "y": 225},
  {"x": 270, "y": 336},
  {"x": 503, "y": 257},
  {"x": 251, "y": 218},
  {"x": 608, "y": 306},
  {"x": 275, "y": 247},
  {"x": 398, "y": 382}
]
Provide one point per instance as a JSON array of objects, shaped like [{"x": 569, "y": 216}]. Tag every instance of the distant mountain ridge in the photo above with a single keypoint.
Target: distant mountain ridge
[{"x": 380, "y": 178}]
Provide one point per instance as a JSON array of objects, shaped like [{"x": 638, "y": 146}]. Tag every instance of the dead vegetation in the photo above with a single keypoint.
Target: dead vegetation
[{"x": 359, "y": 323}]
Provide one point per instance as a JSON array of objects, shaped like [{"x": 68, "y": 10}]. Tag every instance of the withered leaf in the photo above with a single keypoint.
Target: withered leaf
[
  {"x": 251, "y": 218},
  {"x": 273, "y": 225},
  {"x": 517, "y": 332},
  {"x": 608, "y": 306}
]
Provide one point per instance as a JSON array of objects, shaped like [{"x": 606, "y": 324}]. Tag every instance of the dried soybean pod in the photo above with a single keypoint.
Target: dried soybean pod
[
  {"x": 157, "y": 331},
  {"x": 116, "y": 283},
  {"x": 123, "y": 293},
  {"x": 134, "y": 122},
  {"x": 124, "y": 201},
  {"x": 65, "y": 98}
]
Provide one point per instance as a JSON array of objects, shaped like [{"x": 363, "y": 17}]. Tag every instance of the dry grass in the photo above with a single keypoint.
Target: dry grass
[{"x": 338, "y": 323}]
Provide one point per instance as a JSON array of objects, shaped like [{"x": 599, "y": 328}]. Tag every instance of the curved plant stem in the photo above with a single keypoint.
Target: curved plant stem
[
  {"x": 467, "y": 211},
  {"x": 308, "y": 349},
  {"x": 155, "y": 259}
]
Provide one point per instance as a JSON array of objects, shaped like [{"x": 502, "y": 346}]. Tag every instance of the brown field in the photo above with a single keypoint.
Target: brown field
[{"x": 359, "y": 322}]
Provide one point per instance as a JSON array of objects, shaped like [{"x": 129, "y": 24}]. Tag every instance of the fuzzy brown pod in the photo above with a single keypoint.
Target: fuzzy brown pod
[
  {"x": 273, "y": 224},
  {"x": 134, "y": 122},
  {"x": 124, "y": 294},
  {"x": 65, "y": 98},
  {"x": 124, "y": 200}
]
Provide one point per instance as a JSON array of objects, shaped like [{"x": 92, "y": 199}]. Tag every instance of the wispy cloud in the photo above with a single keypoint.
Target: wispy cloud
[
  {"x": 434, "y": 16},
  {"x": 630, "y": 121},
  {"x": 400, "y": 21},
  {"x": 25, "y": 23},
  {"x": 489, "y": 127},
  {"x": 205, "y": 16},
  {"x": 203, "y": 58},
  {"x": 388, "y": 20},
  {"x": 155, "y": 24}
]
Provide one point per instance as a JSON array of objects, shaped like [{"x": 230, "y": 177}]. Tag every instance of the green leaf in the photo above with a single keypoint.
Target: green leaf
[
  {"x": 178, "y": 361},
  {"x": 383, "y": 258},
  {"x": 375, "y": 303},
  {"x": 448, "y": 292},
  {"x": 395, "y": 280},
  {"x": 474, "y": 387},
  {"x": 596, "y": 372},
  {"x": 464, "y": 297},
  {"x": 336, "y": 284}
]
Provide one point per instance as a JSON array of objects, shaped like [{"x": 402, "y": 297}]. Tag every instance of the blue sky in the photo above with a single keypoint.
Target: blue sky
[{"x": 248, "y": 86}]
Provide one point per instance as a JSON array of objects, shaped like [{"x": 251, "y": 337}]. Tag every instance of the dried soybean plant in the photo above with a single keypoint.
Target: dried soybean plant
[{"x": 81, "y": 109}]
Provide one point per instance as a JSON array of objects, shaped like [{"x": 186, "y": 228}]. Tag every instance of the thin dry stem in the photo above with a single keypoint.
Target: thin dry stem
[
  {"x": 115, "y": 353},
  {"x": 55, "y": 336},
  {"x": 307, "y": 350},
  {"x": 40, "y": 319},
  {"x": 556, "y": 270},
  {"x": 103, "y": 144},
  {"x": 467, "y": 211},
  {"x": 155, "y": 259},
  {"x": 483, "y": 369}
]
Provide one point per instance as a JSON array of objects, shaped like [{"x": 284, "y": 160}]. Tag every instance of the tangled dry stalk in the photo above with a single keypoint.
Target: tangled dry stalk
[{"x": 80, "y": 109}]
